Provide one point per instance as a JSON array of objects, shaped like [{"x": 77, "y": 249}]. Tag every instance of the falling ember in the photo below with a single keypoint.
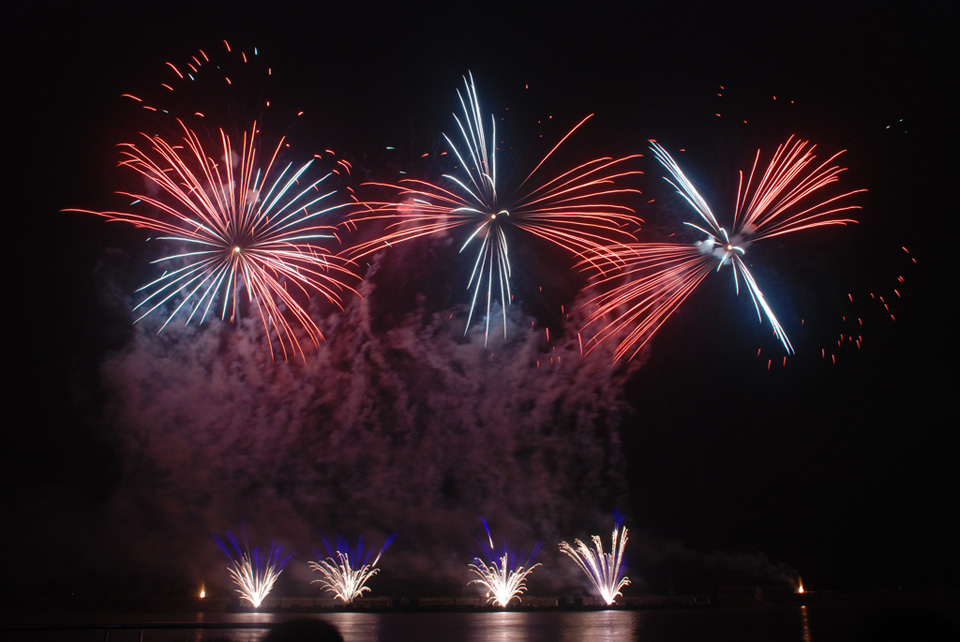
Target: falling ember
[
  {"x": 799, "y": 585},
  {"x": 203, "y": 591}
]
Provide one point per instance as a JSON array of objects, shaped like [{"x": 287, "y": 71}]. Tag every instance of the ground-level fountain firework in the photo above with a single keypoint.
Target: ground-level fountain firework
[
  {"x": 605, "y": 570},
  {"x": 502, "y": 570},
  {"x": 253, "y": 572},
  {"x": 348, "y": 568}
]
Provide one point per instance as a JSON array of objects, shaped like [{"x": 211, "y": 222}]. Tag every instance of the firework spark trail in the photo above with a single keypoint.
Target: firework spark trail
[
  {"x": 574, "y": 210},
  {"x": 504, "y": 572},
  {"x": 221, "y": 84},
  {"x": 654, "y": 279},
  {"x": 253, "y": 573},
  {"x": 344, "y": 578},
  {"x": 605, "y": 570},
  {"x": 254, "y": 227}
]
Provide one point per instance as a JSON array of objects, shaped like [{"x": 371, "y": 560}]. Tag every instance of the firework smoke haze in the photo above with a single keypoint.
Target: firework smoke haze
[{"x": 379, "y": 431}]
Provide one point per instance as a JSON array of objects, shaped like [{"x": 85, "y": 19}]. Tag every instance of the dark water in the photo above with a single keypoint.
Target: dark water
[{"x": 821, "y": 623}]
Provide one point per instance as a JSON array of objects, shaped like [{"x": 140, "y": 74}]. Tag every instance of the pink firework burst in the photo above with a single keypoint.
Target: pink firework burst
[
  {"x": 652, "y": 280},
  {"x": 235, "y": 226}
]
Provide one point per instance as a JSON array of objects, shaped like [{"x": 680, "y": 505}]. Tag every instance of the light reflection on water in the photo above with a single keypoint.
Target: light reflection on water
[
  {"x": 805, "y": 625},
  {"x": 356, "y": 626},
  {"x": 600, "y": 626},
  {"x": 234, "y": 635},
  {"x": 604, "y": 626},
  {"x": 756, "y": 624}
]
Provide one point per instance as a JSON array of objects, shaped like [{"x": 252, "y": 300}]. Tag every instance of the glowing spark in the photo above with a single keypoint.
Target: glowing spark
[
  {"x": 253, "y": 573},
  {"x": 573, "y": 210},
  {"x": 236, "y": 226},
  {"x": 502, "y": 572},
  {"x": 605, "y": 570},
  {"x": 654, "y": 279},
  {"x": 346, "y": 571}
]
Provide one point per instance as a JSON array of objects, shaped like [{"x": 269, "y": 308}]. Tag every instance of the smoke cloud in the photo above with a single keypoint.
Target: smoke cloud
[{"x": 414, "y": 427}]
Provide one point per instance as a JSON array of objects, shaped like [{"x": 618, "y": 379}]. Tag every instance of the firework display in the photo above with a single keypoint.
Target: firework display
[
  {"x": 575, "y": 209},
  {"x": 305, "y": 271},
  {"x": 248, "y": 234},
  {"x": 248, "y": 226},
  {"x": 236, "y": 224},
  {"x": 501, "y": 571},
  {"x": 605, "y": 570},
  {"x": 347, "y": 569},
  {"x": 654, "y": 279},
  {"x": 254, "y": 573}
]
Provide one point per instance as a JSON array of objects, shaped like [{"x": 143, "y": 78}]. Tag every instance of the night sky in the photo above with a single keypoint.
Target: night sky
[{"x": 126, "y": 450}]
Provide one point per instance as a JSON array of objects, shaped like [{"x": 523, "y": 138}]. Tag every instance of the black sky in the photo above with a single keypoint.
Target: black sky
[{"x": 844, "y": 472}]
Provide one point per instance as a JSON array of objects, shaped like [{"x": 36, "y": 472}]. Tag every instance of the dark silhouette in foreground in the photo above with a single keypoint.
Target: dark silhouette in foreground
[{"x": 304, "y": 630}]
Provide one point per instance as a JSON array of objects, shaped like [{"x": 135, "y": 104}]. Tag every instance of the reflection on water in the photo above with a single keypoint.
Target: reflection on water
[
  {"x": 806, "y": 636},
  {"x": 599, "y": 626},
  {"x": 356, "y": 626},
  {"x": 748, "y": 623},
  {"x": 603, "y": 626},
  {"x": 499, "y": 627},
  {"x": 234, "y": 635}
]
